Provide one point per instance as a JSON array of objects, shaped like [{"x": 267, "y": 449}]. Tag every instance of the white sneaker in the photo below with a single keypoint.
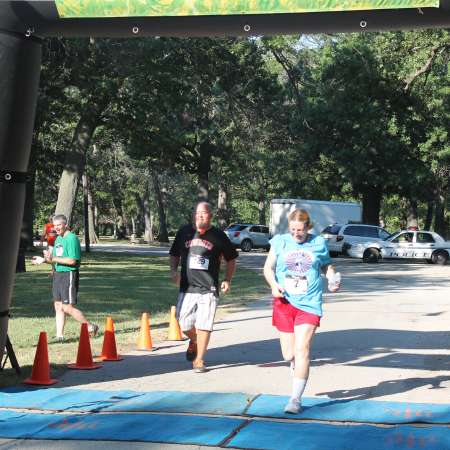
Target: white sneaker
[{"x": 293, "y": 406}]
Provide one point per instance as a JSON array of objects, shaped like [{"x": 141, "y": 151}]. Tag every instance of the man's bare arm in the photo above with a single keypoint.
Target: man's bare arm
[{"x": 174, "y": 274}]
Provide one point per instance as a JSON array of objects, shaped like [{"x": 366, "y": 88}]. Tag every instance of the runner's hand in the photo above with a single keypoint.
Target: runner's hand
[
  {"x": 47, "y": 255},
  {"x": 225, "y": 286},
  {"x": 37, "y": 260},
  {"x": 334, "y": 282},
  {"x": 277, "y": 291}
]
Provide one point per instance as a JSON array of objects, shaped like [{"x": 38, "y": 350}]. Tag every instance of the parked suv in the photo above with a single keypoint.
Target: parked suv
[
  {"x": 339, "y": 236},
  {"x": 247, "y": 236}
]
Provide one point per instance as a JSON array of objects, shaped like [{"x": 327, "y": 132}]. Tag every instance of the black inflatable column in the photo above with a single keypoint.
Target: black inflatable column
[{"x": 20, "y": 59}]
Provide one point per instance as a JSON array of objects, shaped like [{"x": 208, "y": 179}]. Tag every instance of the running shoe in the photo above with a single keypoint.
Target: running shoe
[
  {"x": 191, "y": 352},
  {"x": 199, "y": 368},
  {"x": 293, "y": 406}
]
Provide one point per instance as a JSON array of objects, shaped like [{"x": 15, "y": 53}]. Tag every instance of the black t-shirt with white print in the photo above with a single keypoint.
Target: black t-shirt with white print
[{"x": 200, "y": 258}]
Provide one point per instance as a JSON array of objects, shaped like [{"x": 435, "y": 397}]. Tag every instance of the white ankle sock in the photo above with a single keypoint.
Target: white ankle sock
[{"x": 298, "y": 386}]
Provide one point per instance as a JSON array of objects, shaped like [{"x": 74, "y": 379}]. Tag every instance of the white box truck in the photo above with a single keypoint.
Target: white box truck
[{"x": 323, "y": 213}]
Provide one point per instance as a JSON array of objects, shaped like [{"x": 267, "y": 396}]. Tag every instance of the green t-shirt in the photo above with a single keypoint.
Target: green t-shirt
[{"x": 67, "y": 247}]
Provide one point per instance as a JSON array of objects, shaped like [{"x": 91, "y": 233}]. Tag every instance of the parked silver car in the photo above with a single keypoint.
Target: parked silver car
[
  {"x": 247, "y": 236},
  {"x": 339, "y": 237}
]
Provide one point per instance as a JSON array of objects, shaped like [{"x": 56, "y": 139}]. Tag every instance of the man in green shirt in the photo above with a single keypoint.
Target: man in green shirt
[{"x": 65, "y": 258}]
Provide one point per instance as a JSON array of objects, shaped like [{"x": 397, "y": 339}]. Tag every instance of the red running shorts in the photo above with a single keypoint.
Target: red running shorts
[{"x": 285, "y": 316}]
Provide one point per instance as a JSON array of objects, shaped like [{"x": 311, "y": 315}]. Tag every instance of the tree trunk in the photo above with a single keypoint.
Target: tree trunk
[
  {"x": 128, "y": 225},
  {"x": 147, "y": 215},
  {"x": 163, "y": 235},
  {"x": 140, "y": 220},
  {"x": 262, "y": 211},
  {"x": 92, "y": 208},
  {"x": 429, "y": 216},
  {"x": 204, "y": 167},
  {"x": 96, "y": 224},
  {"x": 93, "y": 237},
  {"x": 120, "y": 222},
  {"x": 371, "y": 202},
  {"x": 222, "y": 207},
  {"x": 152, "y": 226},
  {"x": 87, "y": 242},
  {"x": 439, "y": 215},
  {"x": 75, "y": 159},
  {"x": 120, "y": 231},
  {"x": 412, "y": 218}
]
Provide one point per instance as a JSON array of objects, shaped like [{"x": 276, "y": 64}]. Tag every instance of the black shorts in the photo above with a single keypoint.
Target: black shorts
[{"x": 65, "y": 287}]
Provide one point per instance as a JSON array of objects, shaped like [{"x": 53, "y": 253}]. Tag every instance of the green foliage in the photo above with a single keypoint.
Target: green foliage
[{"x": 343, "y": 117}]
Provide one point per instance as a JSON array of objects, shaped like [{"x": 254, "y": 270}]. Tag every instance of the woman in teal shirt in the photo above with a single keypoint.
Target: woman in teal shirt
[{"x": 293, "y": 271}]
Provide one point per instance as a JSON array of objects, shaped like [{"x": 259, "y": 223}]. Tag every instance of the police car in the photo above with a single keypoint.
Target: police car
[{"x": 404, "y": 245}]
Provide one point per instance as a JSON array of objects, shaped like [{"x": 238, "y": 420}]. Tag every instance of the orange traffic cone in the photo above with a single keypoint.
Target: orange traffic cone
[
  {"x": 145, "y": 340},
  {"x": 40, "y": 374},
  {"x": 84, "y": 355},
  {"x": 109, "y": 349},
  {"x": 174, "y": 327}
]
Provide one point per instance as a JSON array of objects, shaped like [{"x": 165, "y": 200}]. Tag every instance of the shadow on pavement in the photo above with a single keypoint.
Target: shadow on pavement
[
  {"x": 350, "y": 346},
  {"x": 365, "y": 347},
  {"x": 388, "y": 387}
]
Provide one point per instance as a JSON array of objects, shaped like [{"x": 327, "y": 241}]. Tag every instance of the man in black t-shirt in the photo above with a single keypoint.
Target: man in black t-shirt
[{"x": 200, "y": 248}]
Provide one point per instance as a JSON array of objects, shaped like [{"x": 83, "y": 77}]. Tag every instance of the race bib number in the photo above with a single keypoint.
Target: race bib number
[
  {"x": 59, "y": 250},
  {"x": 198, "y": 262},
  {"x": 296, "y": 286}
]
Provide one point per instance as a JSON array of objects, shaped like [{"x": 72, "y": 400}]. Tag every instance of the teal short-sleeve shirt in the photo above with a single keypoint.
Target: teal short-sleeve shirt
[{"x": 67, "y": 247}]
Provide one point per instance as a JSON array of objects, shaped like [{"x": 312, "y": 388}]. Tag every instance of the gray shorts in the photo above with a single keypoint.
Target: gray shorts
[
  {"x": 196, "y": 310},
  {"x": 65, "y": 287}
]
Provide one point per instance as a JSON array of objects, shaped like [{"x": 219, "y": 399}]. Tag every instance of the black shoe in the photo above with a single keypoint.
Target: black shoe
[{"x": 191, "y": 352}]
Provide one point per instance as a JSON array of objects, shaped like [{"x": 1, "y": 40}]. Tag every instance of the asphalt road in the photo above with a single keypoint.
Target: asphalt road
[{"x": 384, "y": 336}]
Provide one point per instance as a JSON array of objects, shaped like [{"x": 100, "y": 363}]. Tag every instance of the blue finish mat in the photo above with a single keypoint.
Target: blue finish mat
[
  {"x": 186, "y": 402},
  {"x": 85, "y": 400},
  {"x": 119, "y": 420},
  {"x": 118, "y": 427},
  {"x": 64, "y": 399},
  {"x": 215, "y": 431},
  {"x": 313, "y": 436},
  {"x": 353, "y": 410}
]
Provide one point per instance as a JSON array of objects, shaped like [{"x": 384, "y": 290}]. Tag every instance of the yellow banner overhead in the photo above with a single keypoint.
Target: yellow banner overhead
[{"x": 162, "y": 8}]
